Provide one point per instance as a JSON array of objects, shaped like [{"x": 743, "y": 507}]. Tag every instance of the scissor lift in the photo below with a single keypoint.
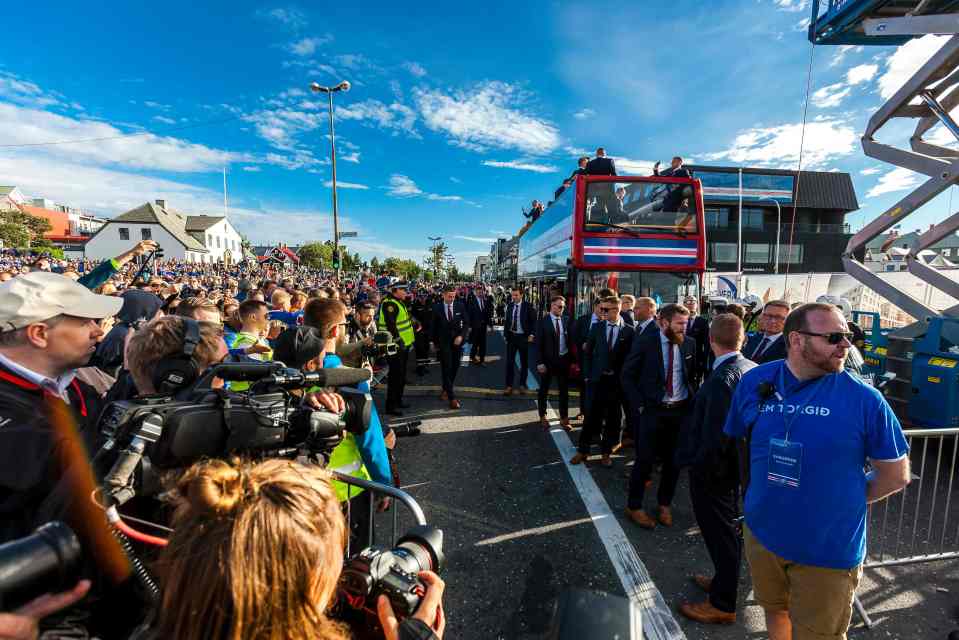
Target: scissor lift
[{"x": 927, "y": 97}]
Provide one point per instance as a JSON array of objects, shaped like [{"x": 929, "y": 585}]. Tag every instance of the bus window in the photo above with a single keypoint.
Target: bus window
[
  {"x": 643, "y": 205},
  {"x": 663, "y": 287}
]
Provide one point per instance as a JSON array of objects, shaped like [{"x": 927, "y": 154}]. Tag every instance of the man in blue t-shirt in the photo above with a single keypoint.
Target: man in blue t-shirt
[{"x": 811, "y": 427}]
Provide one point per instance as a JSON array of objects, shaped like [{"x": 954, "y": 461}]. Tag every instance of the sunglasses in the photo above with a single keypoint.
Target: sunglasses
[
  {"x": 608, "y": 309},
  {"x": 832, "y": 338}
]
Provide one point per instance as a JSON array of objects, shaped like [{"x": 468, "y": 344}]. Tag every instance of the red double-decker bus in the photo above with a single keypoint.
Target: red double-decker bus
[{"x": 643, "y": 236}]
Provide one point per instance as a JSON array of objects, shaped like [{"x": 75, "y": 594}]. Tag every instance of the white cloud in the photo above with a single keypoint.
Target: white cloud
[
  {"x": 456, "y": 180},
  {"x": 164, "y": 119},
  {"x": 345, "y": 185},
  {"x": 861, "y": 73},
  {"x": 522, "y": 166},
  {"x": 584, "y": 114},
  {"x": 156, "y": 105},
  {"x": 826, "y": 139},
  {"x": 415, "y": 69},
  {"x": 395, "y": 117},
  {"x": 906, "y": 60},
  {"x": 791, "y": 5},
  {"x": 287, "y": 16},
  {"x": 403, "y": 187},
  {"x": 308, "y": 46},
  {"x": 353, "y": 157},
  {"x": 14, "y": 89},
  {"x": 475, "y": 239},
  {"x": 486, "y": 117},
  {"x": 841, "y": 52},
  {"x": 252, "y": 168},
  {"x": 281, "y": 126},
  {"x": 630, "y": 167},
  {"x": 896, "y": 180},
  {"x": 831, "y": 95},
  {"x": 870, "y": 171}
]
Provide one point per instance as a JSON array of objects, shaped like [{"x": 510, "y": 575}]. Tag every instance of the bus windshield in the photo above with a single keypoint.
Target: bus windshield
[
  {"x": 647, "y": 206},
  {"x": 663, "y": 287}
]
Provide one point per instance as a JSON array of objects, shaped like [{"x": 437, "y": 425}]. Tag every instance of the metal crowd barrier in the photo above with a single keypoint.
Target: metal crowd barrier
[
  {"x": 917, "y": 524},
  {"x": 376, "y": 489}
]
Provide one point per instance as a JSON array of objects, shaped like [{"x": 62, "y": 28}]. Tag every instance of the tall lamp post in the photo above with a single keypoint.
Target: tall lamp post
[
  {"x": 435, "y": 266},
  {"x": 318, "y": 88},
  {"x": 779, "y": 221}
]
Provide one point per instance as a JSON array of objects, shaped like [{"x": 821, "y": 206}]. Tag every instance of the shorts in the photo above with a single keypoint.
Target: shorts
[{"x": 819, "y": 600}]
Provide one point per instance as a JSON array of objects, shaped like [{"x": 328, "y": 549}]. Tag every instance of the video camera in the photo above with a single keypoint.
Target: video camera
[
  {"x": 267, "y": 421},
  {"x": 382, "y": 347}
]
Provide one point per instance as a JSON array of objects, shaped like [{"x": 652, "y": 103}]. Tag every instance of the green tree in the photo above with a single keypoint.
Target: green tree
[
  {"x": 34, "y": 227},
  {"x": 14, "y": 235},
  {"x": 436, "y": 259},
  {"x": 375, "y": 265},
  {"x": 317, "y": 255}
]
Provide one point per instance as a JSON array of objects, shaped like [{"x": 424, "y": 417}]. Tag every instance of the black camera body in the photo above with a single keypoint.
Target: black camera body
[
  {"x": 47, "y": 561},
  {"x": 383, "y": 347},
  {"x": 376, "y": 571}
]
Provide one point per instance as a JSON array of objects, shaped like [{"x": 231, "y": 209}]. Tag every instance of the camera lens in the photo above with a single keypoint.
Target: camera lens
[
  {"x": 421, "y": 549},
  {"x": 47, "y": 561}
]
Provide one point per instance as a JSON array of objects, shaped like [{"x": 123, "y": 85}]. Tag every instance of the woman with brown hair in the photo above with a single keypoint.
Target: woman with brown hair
[{"x": 256, "y": 554}]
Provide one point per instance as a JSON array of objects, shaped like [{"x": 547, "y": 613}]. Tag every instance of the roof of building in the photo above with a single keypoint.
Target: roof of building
[
  {"x": 202, "y": 222},
  {"x": 279, "y": 253},
  {"x": 172, "y": 221},
  {"x": 816, "y": 189},
  {"x": 59, "y": 220}
]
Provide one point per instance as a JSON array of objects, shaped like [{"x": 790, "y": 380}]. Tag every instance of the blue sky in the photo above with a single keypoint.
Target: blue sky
[{"x": 459, "y": 115}]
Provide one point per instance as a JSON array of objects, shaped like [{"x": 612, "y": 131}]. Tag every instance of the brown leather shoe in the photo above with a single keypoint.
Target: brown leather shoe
[
  {"x": 443, "y": 396},
  {"x": 579, "y": 458},
  {"x": 508, "y": 391},
  {"x": 638, "y": 516},
  {"x": 606, "y": 461},
  {"x": 703, "y": 582},
  {"x": 454, "y": 404},
  {"x": 543, "y": 422},
  {"x": 706, "y": 613},
  {"x": 665, "y": 516}
]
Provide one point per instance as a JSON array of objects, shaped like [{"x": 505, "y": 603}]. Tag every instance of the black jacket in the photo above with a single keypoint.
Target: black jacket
[
  {"x": 644, "y": 375},
  {"x": 601, "y": 167},
  {"x": 479, "y": 318},
  {"x": 702, "y": 444},
  {"x": 599, "y": 359},
  {"x": 35, "y": 452},
  {"x": 775, "y": 351},
  {"x": 698, "y": 329},
  {"x": 527, "y": 316},
  {"x": 547, "y": 342},
  {"x": 442, "y": 331},
  {"x": 681, "y": 172},
  {"x": 581, "y": 327}
]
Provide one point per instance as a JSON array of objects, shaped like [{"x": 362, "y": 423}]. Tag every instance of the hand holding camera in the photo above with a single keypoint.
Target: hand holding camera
[{"x": 430, "y": 612}]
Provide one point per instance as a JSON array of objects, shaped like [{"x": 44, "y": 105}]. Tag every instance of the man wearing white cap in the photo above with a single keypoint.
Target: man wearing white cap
[{"x": 48, "y": 329}]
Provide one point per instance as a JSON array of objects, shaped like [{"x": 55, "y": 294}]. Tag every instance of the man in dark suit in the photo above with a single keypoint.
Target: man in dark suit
[
  {"x": 644, "y": 316},
  {"x": 580, "y": 168},
  {"x": 581, "y": 328},
  {"x": 601, "y": 193},
  {"x": 449, "y": 328},
  {"x": 676, "y": 195},
  {"x": 519, "y": 328},
  {"x": 626, "y": 309},
  {"x": 608, "y": 344},
  {"x": 661, "y": 375},
  {"x": 479, "y": 309},
  {"x": 555, "y": 355},
  {"x": 714, "y": 473},
  {"x": 698, "y": 328},
  {"x": 769, "y": 344}
]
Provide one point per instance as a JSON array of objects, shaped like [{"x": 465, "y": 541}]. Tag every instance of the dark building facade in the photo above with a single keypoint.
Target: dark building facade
[{"x": 820, "y": 201}]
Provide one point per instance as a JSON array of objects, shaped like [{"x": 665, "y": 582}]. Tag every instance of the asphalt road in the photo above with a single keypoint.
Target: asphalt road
[{"x": 517, "y": 531}]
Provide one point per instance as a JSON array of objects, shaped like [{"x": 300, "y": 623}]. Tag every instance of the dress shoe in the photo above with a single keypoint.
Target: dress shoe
[
  {"x": 443, "y": 396},
  {"x": 706, "y": 613},
  {"x": 523, "y": 389},
  {"x": 665, "y": 516},
  {"x": 508, "y": 391},
  {"x": 544, "y": 422},
  {"x": 606, "y": 461},
  {"x": 454, "y": 404},
  {"x": 639, "y": 517},
  {"x": 703, "y": 582},
  {"x": 566, "y": 425},
  {"x": 579, "y": 458}
]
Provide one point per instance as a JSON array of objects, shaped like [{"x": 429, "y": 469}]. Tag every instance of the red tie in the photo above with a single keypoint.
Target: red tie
[{"x": 669, "y": 372}]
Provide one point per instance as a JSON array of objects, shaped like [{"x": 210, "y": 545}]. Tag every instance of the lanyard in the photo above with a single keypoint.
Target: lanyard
[{"x": 787, "y": 420}]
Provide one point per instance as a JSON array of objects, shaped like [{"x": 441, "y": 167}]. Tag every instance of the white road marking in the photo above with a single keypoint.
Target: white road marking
[
  {"x": 535, "y": 531},
  {"x": 657, "y": 618}
]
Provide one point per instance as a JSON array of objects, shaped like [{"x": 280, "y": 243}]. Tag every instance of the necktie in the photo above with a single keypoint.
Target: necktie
[
  {"x": 669, "y": 371},
  {"x": 762, "y": 347},
  {"x": 449, "y": 312},
  {"x": 556, "y": 321},
  {"x": 609, "y": 338},
  {"x": 515, "y": 318}
]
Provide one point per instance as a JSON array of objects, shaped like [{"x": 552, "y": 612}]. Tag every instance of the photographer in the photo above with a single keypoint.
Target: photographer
[{"x": 257, "y": 551}]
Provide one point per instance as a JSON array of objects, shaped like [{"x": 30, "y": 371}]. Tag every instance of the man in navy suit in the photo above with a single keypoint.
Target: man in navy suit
[
  {"x": 479, "y": 308},
  {"x": 676, "y": 195},
  {"x": 661, "y": 375},
  {"x": 698, "y": 328},
  {"x": 714, "y": 473},
  {"x": 519, "y": 328},
  {"x": 608, "y": 344},
  {"x": 769, "y": 344},
  {"x": 449, "y": 329},
  {"x": 602, "y": 192},
  {"x": 644, "y": 316},
  {"x": 626, "y": 309},
  {"x": 554, "y": 346}
]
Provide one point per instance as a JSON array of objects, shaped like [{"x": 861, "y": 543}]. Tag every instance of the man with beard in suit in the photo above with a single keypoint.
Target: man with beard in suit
[{"x": 661, "y": 376}]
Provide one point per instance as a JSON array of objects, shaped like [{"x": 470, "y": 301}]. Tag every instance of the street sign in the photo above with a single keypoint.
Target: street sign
[{"x": 347, "y": 234}]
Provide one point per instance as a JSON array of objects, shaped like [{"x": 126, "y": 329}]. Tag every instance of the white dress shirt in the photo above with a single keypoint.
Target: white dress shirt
[
  {"x": 680, "y": 392},
  {"x": 57, "y": 387},
  {"x": 518, "y": 317}
]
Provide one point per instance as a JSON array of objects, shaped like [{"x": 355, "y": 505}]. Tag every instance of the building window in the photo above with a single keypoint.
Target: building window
[
  {"x": 757, "y": 253},
  {"x": 947, "y": 252},
  {"x": 723, "y": 251},
  {"x": 717, "y": 218},
  {"x": 218, "y": 242},
  {"x": 124, "y": 233},
  {"x": 209, "y": 240},
  {"x": 790, "y": 254},
  {"x": 146, "y": 234},
  {"x": 752, "y": 219}
]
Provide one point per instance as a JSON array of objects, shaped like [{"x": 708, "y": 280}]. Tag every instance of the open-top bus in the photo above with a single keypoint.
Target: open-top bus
[{"x": 643, "y": 236}]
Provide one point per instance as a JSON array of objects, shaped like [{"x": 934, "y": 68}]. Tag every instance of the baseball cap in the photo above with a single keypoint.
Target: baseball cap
[{"x": 40, "y": 295}]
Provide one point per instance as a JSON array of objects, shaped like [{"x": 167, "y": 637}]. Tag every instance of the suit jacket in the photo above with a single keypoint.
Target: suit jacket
[
  {"x": 644, "y": 373},
  {"x": 702, "y": 444},
  {"x": 600, "y": 358},
  {"x": 442, "y": 331},
  {"x": 601, "y": 167},
  {"x": 527, "y": 316},
  {"x": 628, "y": 317},
  {"x": 775, "y": 351},
  {"x": 581, "y": 333},
  {"x": 681, "y": 172},
  {"x": 547, "y": 344},
  {"x": 650, "y": 329},
  {"x": 698, "y": 328},
  {"x": 479, "y": 318}
]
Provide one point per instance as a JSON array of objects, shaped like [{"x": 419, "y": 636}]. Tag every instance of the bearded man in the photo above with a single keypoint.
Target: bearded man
[{"x": 661, "y": 375}]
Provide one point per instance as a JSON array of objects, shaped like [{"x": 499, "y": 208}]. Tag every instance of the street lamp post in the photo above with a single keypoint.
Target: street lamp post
[
  {"x": 435, "y": 266},
  {"x": 318, "y": 88},
  {"x": 779, "y": 220}
]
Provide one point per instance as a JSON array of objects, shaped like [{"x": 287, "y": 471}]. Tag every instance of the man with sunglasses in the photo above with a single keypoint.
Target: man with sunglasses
[
  {"x": 769, "y": 344},
  {"x": 808, "y": 428}
]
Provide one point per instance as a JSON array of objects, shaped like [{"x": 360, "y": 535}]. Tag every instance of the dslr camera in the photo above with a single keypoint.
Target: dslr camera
[
  {"x": 382, "y": 347},
  {"x": 47, "y": 561}
]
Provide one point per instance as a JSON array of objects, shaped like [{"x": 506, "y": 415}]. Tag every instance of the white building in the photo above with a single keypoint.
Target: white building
[
  {"x": 11, "y": 198},
  {"x": 188, "y": 238},
  {"x": 481, "y": 270}
]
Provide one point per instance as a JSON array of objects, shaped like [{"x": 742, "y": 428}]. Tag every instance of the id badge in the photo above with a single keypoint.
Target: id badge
[{"x": 785, "y": 463}]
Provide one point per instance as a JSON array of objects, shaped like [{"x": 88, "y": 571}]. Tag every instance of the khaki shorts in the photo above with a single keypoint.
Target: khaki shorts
[{"x": 819, "y": 600}]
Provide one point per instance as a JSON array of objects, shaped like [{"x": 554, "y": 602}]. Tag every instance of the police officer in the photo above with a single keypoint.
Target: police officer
[{"x": 395, "y": 318}]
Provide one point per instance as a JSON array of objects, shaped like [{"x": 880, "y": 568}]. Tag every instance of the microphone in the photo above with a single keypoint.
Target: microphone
[{"x": 767, "y": 390}]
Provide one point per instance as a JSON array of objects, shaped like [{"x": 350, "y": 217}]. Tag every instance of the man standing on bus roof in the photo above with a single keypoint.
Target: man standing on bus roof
[
  {"x": 677, "y": 169},
  {"x": 519, "y": 329},
  {"x": 602, "y": 192}
]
